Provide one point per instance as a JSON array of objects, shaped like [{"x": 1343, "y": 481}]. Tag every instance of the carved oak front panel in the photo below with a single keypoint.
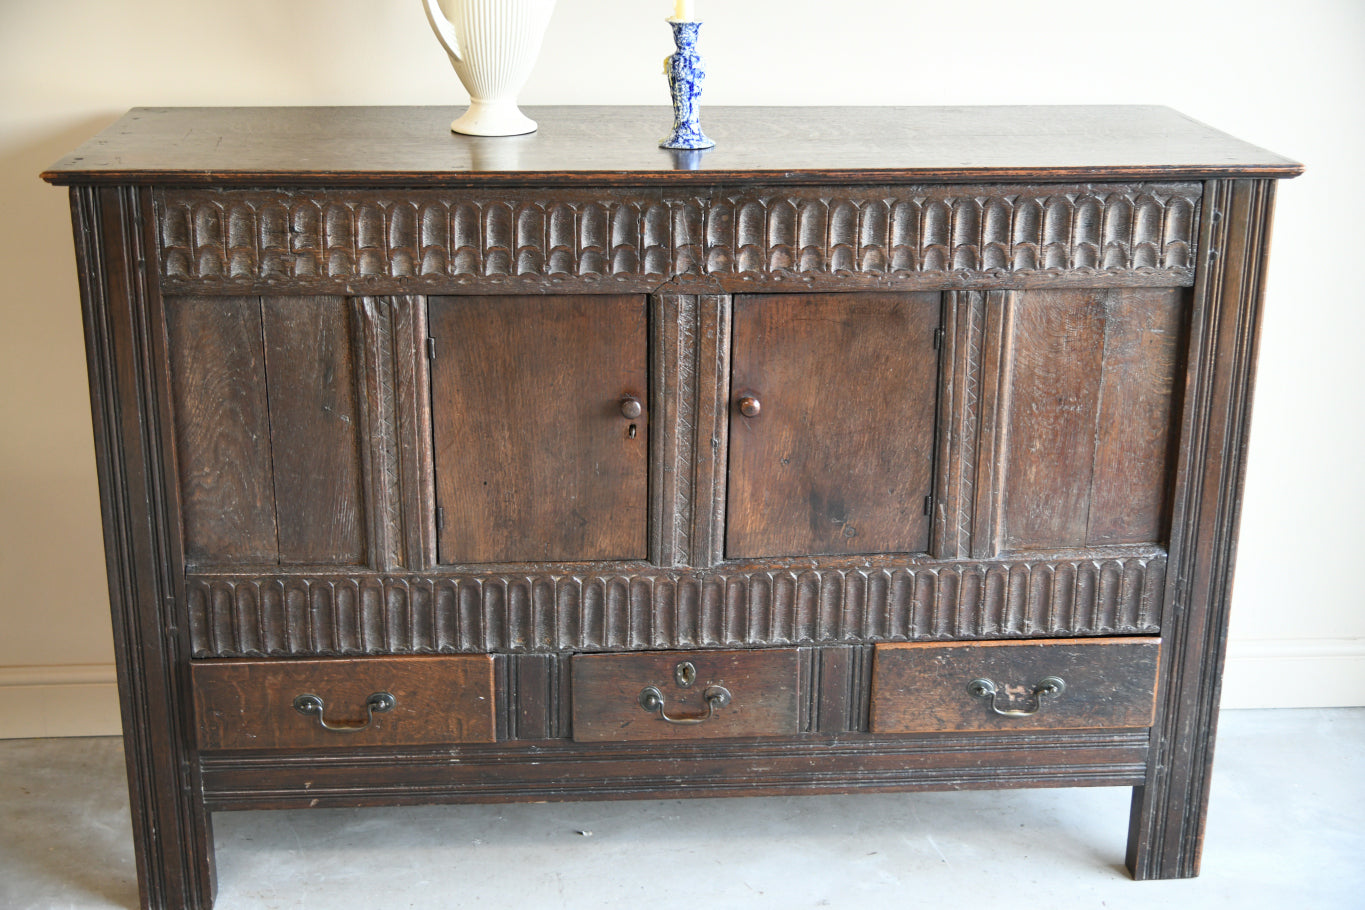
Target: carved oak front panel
[{"x": 380, "y": 241}]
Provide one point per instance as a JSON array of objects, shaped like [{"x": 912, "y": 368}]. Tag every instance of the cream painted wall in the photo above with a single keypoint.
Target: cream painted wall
[{"x": 1290, "y": 77}]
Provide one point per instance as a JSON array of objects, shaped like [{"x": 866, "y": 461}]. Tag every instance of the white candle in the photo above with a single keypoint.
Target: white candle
[{"x": 683, "y": 11}]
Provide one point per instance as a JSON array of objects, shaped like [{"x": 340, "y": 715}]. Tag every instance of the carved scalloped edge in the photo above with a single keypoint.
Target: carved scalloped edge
[
  {"x": 960, "y": 235},
  {"x": 373, "y": 613}
]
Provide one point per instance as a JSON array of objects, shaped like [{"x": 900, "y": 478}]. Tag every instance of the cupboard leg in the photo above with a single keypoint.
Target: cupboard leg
[
  {"x": 171, "y": 831},
  {"x": 1167, "y": 825},
  {"x": 1161, "y": 844}
]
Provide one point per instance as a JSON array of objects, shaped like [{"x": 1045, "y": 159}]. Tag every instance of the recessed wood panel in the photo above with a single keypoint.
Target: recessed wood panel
[
  {"x": 1091, "y": 408},
  {"x": 222, "y": 429},
  {"x": 1134, "y": 451},
  {"x": 249, "y": 704},
  {"x": 535, "y": 459},
  {"x": 1058, "y": 348},
  {"x": 762, "y": 688},
  {"x": 924, "y": 688},
  {"x": 839, "y": 457},
  {"x": 314, "y": 429}
]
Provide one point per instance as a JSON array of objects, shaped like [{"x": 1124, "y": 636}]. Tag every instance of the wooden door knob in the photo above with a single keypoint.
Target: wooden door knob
[
  {"x": 631, "y": 407},
  {"x": 750, "y": 406}
]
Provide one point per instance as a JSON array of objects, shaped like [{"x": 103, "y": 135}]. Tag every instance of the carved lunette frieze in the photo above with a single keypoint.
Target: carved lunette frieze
[
  {"x": 957, "y": 235},
  {"x": 233, "y": 615}
]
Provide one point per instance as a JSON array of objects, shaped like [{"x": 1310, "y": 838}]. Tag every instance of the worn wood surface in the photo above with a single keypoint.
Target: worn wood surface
[
  {"x": 249, "y": 704},
  {"x": 222, "y": 426},
  {"x": 1135, "y": 429},
  {"x": 1166, "y": 830},
  {"x": 922, "y": 688},
  {"x": 768, "y": 766},
  {"x": 511, "y": 608},
  {"x": 534, "y": 457},
  {"x": 606, "y": 145},
  {"x": 690, "y": 375},
  {"x": 130, "y": 399},
  {"x": 764, "y": 686},
  {"x": 377, "y": 345},
  {"x": 1080, "y": 211},
  {"x": 976, "y": 357},
  {"x": 633, "y": 239},
  {"x": 412, "y": 402},
  {"x": 1090, "y": 432},
  {"x": 310, "y": 374},
  {"x": 839, "y": 457},
  {"x": 1054, "y": 399}
]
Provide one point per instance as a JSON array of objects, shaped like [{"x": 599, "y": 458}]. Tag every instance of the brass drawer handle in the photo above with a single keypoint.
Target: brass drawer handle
[
  {"x": 1048, "y": 687},
  {"x": 652, "y": 700},
  {"x": 377, "y": 703}
]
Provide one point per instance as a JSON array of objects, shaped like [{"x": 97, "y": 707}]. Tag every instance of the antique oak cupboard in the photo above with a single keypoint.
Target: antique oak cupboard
[{"x": 876, "y": 449}]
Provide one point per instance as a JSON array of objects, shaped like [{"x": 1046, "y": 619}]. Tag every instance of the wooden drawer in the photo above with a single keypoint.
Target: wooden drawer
[
  {"x": 704, "y": 695},
  {"x": 933, "y": 688},
  {"x": 252, "y": 704}
]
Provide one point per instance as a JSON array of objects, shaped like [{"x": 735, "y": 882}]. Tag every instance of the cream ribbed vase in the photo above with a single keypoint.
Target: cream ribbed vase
[{"x": 492, "y": 45}]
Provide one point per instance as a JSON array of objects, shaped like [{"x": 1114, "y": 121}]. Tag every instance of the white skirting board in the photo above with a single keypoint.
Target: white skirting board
[
  {"x": 82, "y": 699},
  {"x": 1295, "y": 673},
  {"x": 59, "y": 700}
]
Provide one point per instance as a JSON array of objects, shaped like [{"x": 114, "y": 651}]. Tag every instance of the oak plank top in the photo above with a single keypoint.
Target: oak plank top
[{"x": 619, "y": 146}]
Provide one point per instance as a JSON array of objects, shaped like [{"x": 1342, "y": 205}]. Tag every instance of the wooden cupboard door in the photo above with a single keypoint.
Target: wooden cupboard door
[
  {"x": 541, "y": 427},
  {"x": 832, "y": 406}
]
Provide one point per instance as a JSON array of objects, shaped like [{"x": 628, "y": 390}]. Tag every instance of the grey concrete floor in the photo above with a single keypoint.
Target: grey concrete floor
[{"x": 1286, "y": 830}]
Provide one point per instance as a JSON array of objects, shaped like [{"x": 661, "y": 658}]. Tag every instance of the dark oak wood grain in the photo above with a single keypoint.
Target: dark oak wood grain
[
  {"x": 130, "y": 400},
  {"x": 286, "y": 477},
  {"x": 614, "y": 607},
  {"x": 1093, "y": 382},
  {"x": 314, "y": 430},
  {"x": 923, "y": 688},
  {"x": 250, "y": 704},
  {"x": 838, "y": 457},
  {"x": 535, "y": 459},
  {"x": 604, "y": 146},
  {"x": 1136, "y": 425},
  {"x": 1166, "y": 829},
  {"x": 1054, "y": 399},
  {"x": 222, "y": 423},
  {"x": 632, "y": 239},
  {"x": 760, "y": 767},
  {"x": 762, "y": 689}
]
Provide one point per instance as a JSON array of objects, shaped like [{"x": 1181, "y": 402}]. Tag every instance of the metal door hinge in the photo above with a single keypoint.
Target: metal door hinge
[
  {"x": 431, "y": 349},
  {"x": 440, "y": 519},
  {"x": 938, "y": 338},
  {"x": 928, "y": 504}
]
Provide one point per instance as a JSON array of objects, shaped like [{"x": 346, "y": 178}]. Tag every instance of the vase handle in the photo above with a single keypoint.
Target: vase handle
[{"x": 445, "y": 32}]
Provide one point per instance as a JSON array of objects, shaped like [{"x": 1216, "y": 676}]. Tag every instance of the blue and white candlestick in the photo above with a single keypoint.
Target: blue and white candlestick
[{"x": 685, "y": 74}]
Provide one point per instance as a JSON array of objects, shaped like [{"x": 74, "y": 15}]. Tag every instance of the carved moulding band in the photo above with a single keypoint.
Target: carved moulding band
[
  {"x": 234, "y": 615},
  {"x": 958, "y": 235}
]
